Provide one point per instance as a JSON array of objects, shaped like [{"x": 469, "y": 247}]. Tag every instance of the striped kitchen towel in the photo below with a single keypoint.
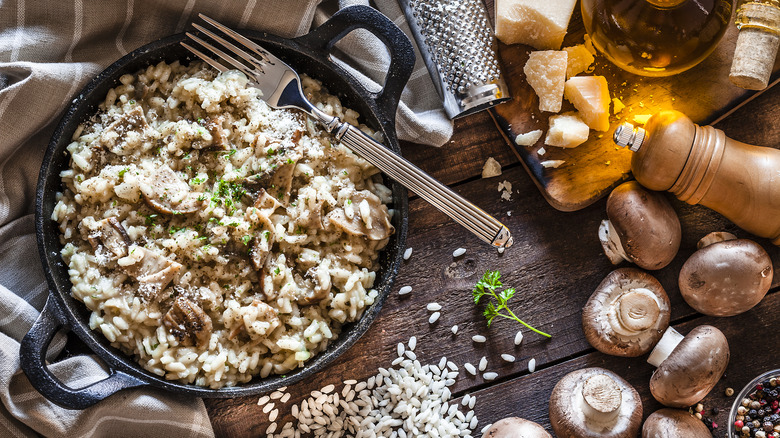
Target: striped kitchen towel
[{"x": 48, "y": 51}]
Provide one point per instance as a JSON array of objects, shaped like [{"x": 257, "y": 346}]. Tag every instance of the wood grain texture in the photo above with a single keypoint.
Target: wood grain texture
[{"x": 592, "y": 169}]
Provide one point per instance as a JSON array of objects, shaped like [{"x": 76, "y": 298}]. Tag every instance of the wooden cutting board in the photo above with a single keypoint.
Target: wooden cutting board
[{"x": 591, "y": 170}]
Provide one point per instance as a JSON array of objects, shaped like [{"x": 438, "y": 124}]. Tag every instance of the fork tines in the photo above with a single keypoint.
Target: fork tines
[{"x": 252, "y": 65}]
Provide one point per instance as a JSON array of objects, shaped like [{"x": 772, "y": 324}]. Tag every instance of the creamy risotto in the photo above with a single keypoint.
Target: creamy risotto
[{"x": 212, "y": 237}]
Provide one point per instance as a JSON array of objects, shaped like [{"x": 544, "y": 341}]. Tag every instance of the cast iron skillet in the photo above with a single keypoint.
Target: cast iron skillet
[{"x": 307, "y": 54}]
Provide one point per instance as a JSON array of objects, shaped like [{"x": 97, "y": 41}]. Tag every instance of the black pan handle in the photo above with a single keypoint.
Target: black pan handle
[
  {"x": 33, "y": 362},
  {"x": 401, "y": 50}
]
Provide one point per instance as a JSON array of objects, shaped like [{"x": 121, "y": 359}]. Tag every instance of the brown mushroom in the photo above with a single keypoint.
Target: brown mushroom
[
  {"x": 109, "y": 240},
  {"x": 515, "y": 427},
  {"x": 152, "y": 271},
  {"x": 318, "y": 284},
  {"x": 115, "y": 136},
  {"x": 276, "y": 181},
  {"x": 214, "y": 126},
  {"x": 188, "y": 323},
  {"x": 642, "y": 227},
  {"x": 674, "y": 423},
  {"x": 627, "y": 314},
  {"x": 726, "y": 276},
  {"x": 595, "y": 403},
  {"x": 688, "y": 367},
  {"x": 166, "y": 193},
  {"x": 371, "y": 218}
]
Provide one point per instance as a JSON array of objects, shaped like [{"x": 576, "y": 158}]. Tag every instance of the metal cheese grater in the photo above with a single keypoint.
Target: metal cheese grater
[{"x": 458, "y": 47}]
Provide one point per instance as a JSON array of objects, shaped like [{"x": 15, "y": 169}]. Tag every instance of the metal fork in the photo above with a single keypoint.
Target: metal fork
[{"x": 281, "y": 88}]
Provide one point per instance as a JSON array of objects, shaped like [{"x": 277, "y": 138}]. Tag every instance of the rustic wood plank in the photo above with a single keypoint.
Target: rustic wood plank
[{"x": 556, "y": 263}]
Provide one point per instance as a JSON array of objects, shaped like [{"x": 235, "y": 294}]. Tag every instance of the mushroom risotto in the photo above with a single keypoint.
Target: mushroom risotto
[{"x": 212, "y": 237}]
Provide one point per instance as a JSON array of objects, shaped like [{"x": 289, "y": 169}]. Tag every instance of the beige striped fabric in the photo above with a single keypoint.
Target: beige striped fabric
[{"x": 48, "y": 51}]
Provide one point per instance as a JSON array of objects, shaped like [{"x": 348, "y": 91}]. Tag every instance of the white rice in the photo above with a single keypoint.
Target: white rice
[
  {"x": 490, "y": 376},
  {"x": 478, "y": 339},
  {"x": 508, "y": 357},
  {"x": 405, "y": 290},
  {"x": 434, "y": 317},
  {"x": 407, "y": 253},
  {"x": 470, "y": 368},
  {"x": 518, "y": 338},
  {"x": 412, "y": 342},
  {"x": 454, "y": 329},
  {"x": 412, "y": 400},
  {"x": 532, "y": 365},
  {"x": 433, "y": 307},
  {"x": 459, "y": 252},
  {"x": 483, "y": 363},
  {"x": 214, "y": 140}
]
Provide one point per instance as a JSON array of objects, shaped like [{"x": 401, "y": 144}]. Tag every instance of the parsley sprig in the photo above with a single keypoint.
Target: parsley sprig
[{"x": 488, "y": 285}]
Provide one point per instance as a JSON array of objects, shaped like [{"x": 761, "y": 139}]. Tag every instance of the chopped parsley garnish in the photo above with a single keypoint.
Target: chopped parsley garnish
[
  {"x": 246, "y": 239},
  {"x": 488, "y": 286},
  {"x": 123, "y": 172}
]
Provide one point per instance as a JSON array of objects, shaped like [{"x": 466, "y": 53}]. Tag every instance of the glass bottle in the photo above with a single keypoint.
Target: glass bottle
[
  {"x": 656, "y": 37},
  {"x": 758, "y": 22}
]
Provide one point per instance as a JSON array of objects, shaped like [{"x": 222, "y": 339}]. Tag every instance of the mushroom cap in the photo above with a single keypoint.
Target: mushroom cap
[
  {"x": 674, "y": 423},
  {"x": 726, "y": 278},
  {"x": 515, "y": 427},
  {"x": 569, "y": 419},
  {"x": 692, "y": 369},
  {"x": 646, "y": 223},
  {"x": 627, "y": 313}
]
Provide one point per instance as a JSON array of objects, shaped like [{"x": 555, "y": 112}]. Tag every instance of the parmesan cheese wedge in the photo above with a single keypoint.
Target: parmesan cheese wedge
[
  {"x": 580, "y": 59},
  {"x": 567, "y": 130},
  {"x": 590, "y": 95},
  {"x": 545, "y": 71},
  {"x": 539, "y": 23}
]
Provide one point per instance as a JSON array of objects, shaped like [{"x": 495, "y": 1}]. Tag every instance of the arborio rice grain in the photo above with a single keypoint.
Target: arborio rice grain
[{"x": 212, "y": 237}]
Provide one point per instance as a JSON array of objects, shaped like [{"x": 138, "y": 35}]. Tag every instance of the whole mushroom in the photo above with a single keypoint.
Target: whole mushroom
[
  {"x": 642, "y": 227},
  {"x": 627, "y": 314},
  {"x": 595, "y": 403},
  {"x": 688, "y": 367},
  {"x": 674, "y": 423},
  {"x": 726, "y": 276},
  {"x": 515, "y": 427}
]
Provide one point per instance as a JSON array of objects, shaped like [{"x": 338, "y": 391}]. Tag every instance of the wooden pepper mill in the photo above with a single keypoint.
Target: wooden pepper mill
[{"x": 700, "y": 165}]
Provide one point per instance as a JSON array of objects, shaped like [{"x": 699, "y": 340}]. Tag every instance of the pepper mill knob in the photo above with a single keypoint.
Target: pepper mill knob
[{"x": 700, "y": 165}]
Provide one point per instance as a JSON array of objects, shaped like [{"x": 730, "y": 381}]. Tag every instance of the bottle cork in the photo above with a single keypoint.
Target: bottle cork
[{"x": 757, "y": 44}]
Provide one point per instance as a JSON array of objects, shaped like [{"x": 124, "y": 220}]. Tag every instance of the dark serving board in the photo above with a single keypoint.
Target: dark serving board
[{"x": 594, "y": 168}]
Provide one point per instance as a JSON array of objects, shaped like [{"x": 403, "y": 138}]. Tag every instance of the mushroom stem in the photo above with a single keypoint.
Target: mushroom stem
[
  {"x": 714, "y": 237},
  {"x": 665, "y": 346},
  {"x": 610, "y": 241},
  {"x": 634, "y": 311},
  {"x": 601, "y": 399}
]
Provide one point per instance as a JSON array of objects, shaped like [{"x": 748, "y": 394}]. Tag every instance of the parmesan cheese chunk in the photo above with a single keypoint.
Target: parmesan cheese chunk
[
  {"x": 491, "y": 168},
  {"x": 539, "y": 23},
  {"x": 545, "y": 71},
  {"x": 567, "y": 130},
  {"x": 580, "y": 60},
  {"x": 589, "y": 94},
  {"x": 617, "y": 105},
  {"x": 529, "y": 138}
]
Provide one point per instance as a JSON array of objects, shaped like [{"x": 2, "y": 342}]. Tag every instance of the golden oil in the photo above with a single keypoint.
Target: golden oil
[{"x": 656, "y": 37}]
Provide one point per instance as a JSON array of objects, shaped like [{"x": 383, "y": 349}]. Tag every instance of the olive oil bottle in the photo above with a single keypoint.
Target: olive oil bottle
[{"x": 656, "y": 37}]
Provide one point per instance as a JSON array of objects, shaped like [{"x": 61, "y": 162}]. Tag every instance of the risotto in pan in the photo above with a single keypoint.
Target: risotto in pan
[{"x": 212, "y": 237}]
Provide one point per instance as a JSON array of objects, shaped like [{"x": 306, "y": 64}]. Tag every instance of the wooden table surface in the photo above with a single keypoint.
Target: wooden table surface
[{"x": 555, "y": 264}]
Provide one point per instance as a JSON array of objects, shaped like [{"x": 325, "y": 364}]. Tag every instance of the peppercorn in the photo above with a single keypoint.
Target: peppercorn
[{"x": 715, "y": 411}]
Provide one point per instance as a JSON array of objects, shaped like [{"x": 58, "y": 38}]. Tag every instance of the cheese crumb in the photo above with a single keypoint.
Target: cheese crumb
[
  {"x": 579, "y": 60},
  {"x": 567, "y": 131},
  {"x": 541, "y": 151},
  {"x": 505, "y": 187},
  {"x": 642, "y": 118},
  {"x": 529, "y": 138},
  {"x": 540, "y": 24},
  {"x": 552, "y": 163},
  {"x": 617, "y": 106},
  {"x": 491, "y": 168},
  {"x": 589, "y": 45},
  {"x": 545, "y": 72}
]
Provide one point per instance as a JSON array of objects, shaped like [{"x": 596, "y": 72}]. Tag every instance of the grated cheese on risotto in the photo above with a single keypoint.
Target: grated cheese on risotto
[{"x": 212, "y": 237}]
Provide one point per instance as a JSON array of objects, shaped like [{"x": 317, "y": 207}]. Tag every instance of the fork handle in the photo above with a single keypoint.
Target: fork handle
[{"x": 483, "y": 225}]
